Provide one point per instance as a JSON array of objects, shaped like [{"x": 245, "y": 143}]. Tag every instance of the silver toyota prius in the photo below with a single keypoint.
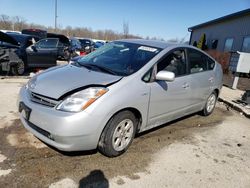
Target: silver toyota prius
[{"x": 125, "y": 87}]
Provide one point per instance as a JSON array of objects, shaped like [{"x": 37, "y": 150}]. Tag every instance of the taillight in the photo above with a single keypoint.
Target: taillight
[{"x": 82, "y": 53}]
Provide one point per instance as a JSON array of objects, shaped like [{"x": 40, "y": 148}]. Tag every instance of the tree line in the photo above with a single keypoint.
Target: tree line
[{"x": 18, "y": 23}]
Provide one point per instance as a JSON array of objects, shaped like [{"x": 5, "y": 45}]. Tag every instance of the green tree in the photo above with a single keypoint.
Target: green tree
[{"x": 202, "y": 42}]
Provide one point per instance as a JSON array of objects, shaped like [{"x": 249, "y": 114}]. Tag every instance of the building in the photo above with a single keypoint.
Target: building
[{"x": 228, "y": 33}]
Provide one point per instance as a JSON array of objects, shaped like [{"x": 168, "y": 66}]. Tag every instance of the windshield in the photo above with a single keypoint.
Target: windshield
[{"x": 121, "y": 58}]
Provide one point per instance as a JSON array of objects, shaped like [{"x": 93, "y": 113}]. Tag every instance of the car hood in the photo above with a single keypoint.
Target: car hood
[
  {"x": 7, "y": 38},
  {"x": 59, "y": 81}
]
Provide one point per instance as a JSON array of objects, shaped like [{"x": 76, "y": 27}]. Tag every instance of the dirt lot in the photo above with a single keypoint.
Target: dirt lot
[{"x": 192, "y": 152}]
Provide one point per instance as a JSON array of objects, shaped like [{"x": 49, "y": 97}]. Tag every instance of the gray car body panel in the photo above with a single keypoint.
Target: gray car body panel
[{"x": 157, "y": 102}]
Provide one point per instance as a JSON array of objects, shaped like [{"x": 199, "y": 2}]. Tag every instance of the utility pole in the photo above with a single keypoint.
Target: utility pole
[{"x": 55, "y": 15}]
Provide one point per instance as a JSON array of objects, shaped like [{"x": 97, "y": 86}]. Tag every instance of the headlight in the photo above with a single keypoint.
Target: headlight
[
  {"x": 81, "y": 100},
  {"x": 31, "y": 83}
]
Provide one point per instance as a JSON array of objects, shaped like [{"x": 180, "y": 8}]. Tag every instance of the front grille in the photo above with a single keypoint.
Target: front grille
[
  {"x": 39, "y": 130},
  {"x": 43, "y": 100}
]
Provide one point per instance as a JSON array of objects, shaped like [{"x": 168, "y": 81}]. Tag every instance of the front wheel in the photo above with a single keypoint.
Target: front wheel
[
  {"x": 118, "y": 134},
  {"x": 18, "y": 69},
  {"x": 210, "y": 104}
]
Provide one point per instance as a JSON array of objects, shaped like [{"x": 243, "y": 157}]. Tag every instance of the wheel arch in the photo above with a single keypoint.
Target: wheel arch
[
  {"x": 102, "y": 142},
  {"x": 217, "y": 91},
  {"x": 135, "y": 111}
]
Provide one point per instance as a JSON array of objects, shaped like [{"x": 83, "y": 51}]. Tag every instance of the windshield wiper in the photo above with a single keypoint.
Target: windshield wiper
[{"x": 103, "y": 69}]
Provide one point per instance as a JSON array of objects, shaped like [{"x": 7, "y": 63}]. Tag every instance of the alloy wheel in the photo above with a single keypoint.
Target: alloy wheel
[
  {"x": 211, "y": 101},
  {"x": 122, "y": 135}
]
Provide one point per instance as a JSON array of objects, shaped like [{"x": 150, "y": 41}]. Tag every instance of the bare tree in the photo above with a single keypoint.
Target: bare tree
[
  {"x": 18, "y": 23},
  {"x": 5, "y": 22},
  {"x": 125, "y": 29}
]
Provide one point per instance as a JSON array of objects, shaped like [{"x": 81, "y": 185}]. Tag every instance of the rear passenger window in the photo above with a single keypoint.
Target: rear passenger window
[
  {"x": 211, "y": 63},
  {"x": 199, "y": 62}
]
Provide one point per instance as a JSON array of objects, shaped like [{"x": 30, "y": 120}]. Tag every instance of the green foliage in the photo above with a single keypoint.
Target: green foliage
[{"x": 202, "y": 42}]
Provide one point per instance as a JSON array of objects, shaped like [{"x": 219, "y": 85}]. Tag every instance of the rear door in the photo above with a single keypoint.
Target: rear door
[
  {"x": 43, "y": 53},
  {"x": 170, "y": 100},
  {"x": 202, "y": 77}
]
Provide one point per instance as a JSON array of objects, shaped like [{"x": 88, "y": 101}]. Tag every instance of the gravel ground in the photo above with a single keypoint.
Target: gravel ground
[{"x": 194, "y": 151}]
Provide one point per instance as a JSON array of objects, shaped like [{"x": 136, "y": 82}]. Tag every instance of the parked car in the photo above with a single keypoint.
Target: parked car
[
  {"x": 87, "y": 45},
  {"x": 121, "y": 89},
  {"x": 64, "y": 48},
  {"x": 76, "y": 47},
  {"x": 46, "y": 51},
  {"x": 13, "y": 56}
]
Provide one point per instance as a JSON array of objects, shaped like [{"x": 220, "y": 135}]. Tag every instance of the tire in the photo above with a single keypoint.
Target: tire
[
  {"x": 19, "y": 69},
  {"x": 118, "y": 134},
  {"x": 210, "y": 104}
]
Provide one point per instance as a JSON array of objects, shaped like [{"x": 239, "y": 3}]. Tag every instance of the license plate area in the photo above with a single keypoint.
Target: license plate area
[{"x": 25, "y": 110}]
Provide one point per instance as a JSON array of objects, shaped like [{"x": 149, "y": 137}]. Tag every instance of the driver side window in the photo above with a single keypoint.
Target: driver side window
[{"x": 174, "y": 62}]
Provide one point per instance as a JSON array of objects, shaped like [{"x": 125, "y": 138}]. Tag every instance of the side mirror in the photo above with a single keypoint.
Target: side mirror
[
  {"x": 33, "y": 47},
  {"x": 165, "y": 76}
]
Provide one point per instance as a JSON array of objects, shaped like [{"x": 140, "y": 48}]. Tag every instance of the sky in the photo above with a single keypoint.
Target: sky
[{"x": 167, "y": 19}]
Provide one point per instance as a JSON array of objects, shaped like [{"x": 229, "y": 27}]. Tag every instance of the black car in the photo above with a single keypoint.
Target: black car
[
  {"x": 13, "y": 57},
  {"x": 87, "y": 45},
  {"x": 63, "y": 46},
  {"x": 19, "y": 52},
  {"x": 46, "y": 51},
  {"x": 76, "y": 47}
]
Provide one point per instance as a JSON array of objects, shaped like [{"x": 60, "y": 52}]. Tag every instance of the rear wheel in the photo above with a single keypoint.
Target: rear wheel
[
  {"x": 18, "y": 69},
  {"x": 210, "y": 104},
  {"x": 118, "y": 134}
]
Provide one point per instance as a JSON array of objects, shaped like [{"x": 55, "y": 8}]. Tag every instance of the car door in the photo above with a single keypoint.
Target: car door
[
  {"x": 170, "y": 100},
  {"x": 202, "y": 77},
  {"x": 43, "y": 53}
]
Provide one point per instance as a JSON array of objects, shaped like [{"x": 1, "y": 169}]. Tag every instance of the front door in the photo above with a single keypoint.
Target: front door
[
  {"x": 43, "y": 53},
  {"x": 170, "y": 100}
]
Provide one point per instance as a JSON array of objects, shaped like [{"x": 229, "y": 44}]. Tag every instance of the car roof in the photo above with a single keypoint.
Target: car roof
[
  {"x": 158, "y": 44},
  {"x": 153, "y": 43}
]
